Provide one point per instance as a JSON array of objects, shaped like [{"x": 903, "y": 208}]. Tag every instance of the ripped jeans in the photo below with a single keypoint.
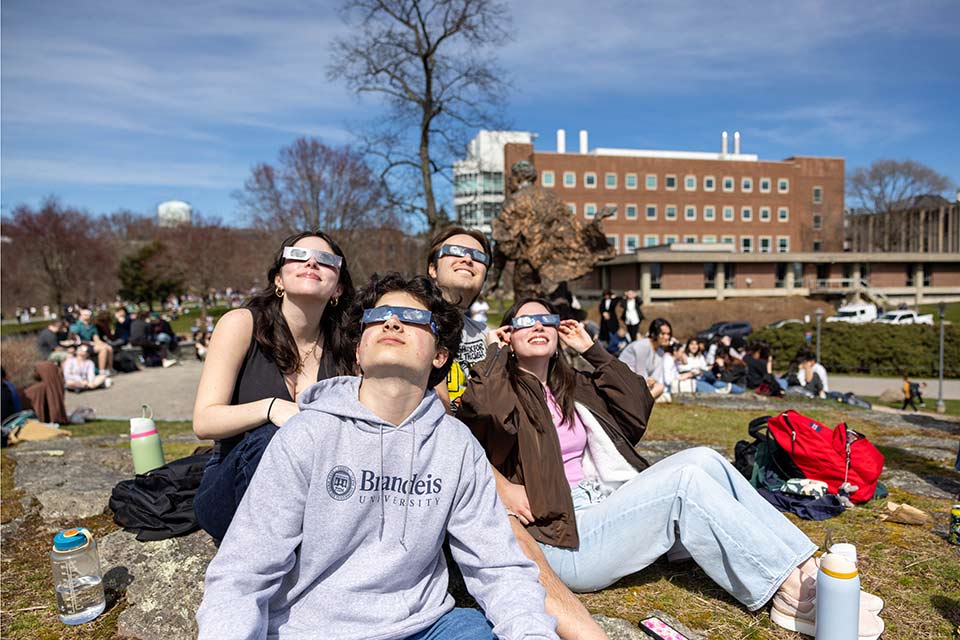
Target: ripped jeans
[{"x": 696, "y": 500}]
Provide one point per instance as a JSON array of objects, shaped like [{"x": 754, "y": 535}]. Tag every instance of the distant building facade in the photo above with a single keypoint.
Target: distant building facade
[
  {"x": 173, "y": 213},
  {"x": 927, "y": 224},
  {"x": 478, "y": 181},
  {"x": 667, "y": 197}
]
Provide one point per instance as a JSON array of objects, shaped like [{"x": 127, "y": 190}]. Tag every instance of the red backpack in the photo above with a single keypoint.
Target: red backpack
[{"x": 834, "y": 456}]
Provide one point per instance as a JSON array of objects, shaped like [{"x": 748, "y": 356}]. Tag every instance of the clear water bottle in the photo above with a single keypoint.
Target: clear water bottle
[
  {"x": 76, "y": 576},
  {"x": 145, "y": 444},
  {"x": 838, "y": 599}
]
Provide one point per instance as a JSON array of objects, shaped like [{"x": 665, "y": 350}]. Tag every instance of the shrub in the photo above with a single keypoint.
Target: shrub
[
  {"x": 19, "y": 354},
  {"x": 876, "y": 349}
]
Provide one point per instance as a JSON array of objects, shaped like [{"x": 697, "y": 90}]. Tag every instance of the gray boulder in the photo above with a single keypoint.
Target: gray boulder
[
  {"x": 890, "y": 395},
  {"x": 163, "y": 582}
]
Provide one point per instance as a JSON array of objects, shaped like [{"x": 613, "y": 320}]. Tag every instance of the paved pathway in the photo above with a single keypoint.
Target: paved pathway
[
  {"x": 876, "y": 386},
  {"x": 170, "y": 392}
]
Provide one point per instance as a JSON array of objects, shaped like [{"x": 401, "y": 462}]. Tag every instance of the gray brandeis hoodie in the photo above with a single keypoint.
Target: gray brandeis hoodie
[{"x": 339, "y": 534}]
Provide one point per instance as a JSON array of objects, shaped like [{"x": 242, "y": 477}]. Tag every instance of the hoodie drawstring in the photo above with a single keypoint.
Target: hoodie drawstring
[
  {"x": 383, "y": 514},
  {"x": 406, "y": 509}
]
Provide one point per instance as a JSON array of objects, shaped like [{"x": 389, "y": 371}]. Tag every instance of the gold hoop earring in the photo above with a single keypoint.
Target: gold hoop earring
[
  {"x": 279, "y": 292},
  {"x": 334, "y": 302}
]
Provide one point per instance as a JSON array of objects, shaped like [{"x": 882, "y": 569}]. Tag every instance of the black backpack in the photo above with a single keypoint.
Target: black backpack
[
  {"x": 159, "y": 504},
  {"x": 762, "y": 458}
]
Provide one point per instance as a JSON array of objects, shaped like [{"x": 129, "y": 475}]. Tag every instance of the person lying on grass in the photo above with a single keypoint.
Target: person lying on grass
[
  {"x": 339, "y": 534},
  {"x": 564, "y": 441}
]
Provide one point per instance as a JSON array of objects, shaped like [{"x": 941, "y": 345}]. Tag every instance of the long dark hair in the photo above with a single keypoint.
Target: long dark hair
[
  {"x": 270, "y": 328},
  {"x": 448, "y": 319},
  {"x": 560, "y": 376}
]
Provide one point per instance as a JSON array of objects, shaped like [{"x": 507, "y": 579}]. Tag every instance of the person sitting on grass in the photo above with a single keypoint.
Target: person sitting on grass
[
  {"x": 79, "y": 374},
  {"x": 565, "y": 441},
  {"x": 89, "y": 335},
  {"x": 340, "y": 532},
  {"x": 53, "y": 342}
]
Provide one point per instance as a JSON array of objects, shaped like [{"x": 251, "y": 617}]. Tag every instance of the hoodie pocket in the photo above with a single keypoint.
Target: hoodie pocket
[{"x": 321, "y": 606}]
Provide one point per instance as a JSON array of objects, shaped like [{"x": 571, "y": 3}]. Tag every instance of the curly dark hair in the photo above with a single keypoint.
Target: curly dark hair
[
  {"x": 447, "y": 317},
  {"x": 560, "y": 376},
  {"x": 270, "y": 328}
]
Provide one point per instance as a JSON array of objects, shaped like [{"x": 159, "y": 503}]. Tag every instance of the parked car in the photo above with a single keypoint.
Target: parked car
[
  {"x": 782, "y": 323},
  {"x": 732, "y": 329},
  {"x": 857, "y": 313},
  {"x": 905, "y": 316}
]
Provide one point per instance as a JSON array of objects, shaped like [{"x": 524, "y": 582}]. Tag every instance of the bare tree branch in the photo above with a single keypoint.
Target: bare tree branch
[{"x": 890, "y": 185}]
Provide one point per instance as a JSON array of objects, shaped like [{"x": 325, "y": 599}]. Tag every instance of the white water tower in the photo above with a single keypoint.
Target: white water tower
[{"x": 174, "y": 212}]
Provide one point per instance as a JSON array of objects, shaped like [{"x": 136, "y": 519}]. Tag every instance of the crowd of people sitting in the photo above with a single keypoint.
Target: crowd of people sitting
[{"x": 391, "y": 421}]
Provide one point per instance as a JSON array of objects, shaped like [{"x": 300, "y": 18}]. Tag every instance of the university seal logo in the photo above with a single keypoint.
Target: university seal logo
[{"x": 341, "y": 483}]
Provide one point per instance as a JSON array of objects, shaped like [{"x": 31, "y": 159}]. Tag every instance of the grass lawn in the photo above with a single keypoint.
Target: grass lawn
[
  {"x": 913, "y": 569},
  {"x": 951, "y": 314}
]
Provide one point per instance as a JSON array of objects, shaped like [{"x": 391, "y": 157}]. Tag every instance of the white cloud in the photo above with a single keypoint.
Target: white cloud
[
  {"x": 844, "y": 124},
  {"x": 103, "y": 172}
]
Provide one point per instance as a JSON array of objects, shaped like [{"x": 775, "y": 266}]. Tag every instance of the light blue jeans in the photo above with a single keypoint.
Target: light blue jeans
[{"x": 696, "y": 500}]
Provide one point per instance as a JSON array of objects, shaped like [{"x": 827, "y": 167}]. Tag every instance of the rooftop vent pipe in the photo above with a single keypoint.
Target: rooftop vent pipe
[
  {"x": 583, "y": 141},
  {"x": 561, "y": 141}
]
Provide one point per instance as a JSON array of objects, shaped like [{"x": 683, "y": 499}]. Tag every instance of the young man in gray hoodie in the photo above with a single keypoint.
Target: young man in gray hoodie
[{"x": 339, "y": 534}]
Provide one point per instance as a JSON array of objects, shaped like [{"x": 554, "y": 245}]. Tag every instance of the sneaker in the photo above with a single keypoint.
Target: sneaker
[
  {"x": 169, "y": 363},
  {"x": 868, "y": 601},
  {"x": 801, "y": 616},
  {"x": 107, "y": 383}
]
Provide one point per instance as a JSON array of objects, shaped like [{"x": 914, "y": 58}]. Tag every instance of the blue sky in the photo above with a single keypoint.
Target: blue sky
[{"x": 121, "y": 105}]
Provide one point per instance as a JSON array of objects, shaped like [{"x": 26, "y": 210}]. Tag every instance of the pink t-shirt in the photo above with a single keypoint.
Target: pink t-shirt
[{"x": 573, "y": 440}]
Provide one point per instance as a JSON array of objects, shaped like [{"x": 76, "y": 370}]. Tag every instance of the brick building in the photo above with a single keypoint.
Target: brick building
[{"x": 665, "y": 197}]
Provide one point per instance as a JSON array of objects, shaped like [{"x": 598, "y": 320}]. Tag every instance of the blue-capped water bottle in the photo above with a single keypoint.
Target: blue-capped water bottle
[
  {"x": 76, "y": 576},
  {"x": 838, "y": 599}
]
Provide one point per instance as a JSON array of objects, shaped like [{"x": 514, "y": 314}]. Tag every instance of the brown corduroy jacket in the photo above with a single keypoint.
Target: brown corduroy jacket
[{"x": 516, "y": 430}]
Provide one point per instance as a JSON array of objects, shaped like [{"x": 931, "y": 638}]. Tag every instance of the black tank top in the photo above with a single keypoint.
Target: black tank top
[{"x": 260, "y": 378}]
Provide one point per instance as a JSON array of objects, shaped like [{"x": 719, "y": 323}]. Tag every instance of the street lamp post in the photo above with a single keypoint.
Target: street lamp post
[
  {"x": 941, "y": 407},
  {"x": 819, "y": 313}
]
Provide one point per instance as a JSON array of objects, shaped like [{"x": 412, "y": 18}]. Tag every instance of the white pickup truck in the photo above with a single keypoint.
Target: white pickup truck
[
  {"x": 905, "y": 316},
  {"x": 857, "y": 313}
]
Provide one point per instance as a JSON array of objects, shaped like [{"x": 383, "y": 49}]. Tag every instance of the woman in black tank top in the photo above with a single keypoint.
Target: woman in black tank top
[{"x": 260, "y": 358}]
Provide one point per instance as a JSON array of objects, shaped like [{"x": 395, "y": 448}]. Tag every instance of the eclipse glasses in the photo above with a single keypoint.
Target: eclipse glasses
[
  {"x": 406, "y": 315},
  {"x": 457, "y": 251},
  {"x": 545, "y": 319},
  {"x": 322, "y": 257}
]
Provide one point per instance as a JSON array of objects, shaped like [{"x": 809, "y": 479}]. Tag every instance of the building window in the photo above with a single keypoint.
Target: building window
[
  {"x": 709, "y": 183},
  {"x": 656, "y": 275},
  {"x": 590, "y": 180},
  {"x": 728, "y": 214},
  {"x": 746, "y": 244},
  {"x": 689, "y": 239},
  {"x": 764, "y": 214},
  {"x": 783, "y": 244},
  {"x": 547, "y": 178},
  {"x": 669, "y": 239},
  {"x": 689, "y": 212},
  {"x": 709, "y": 239},
  {"x": 670, "y": 212},
  {"x": 670, "y": 182},
  {"x": 572, "y": 207},
  {"x": 569, "y": 179},
  {"x": 651, "y": 240},
  {"x": 690, "y": 183},
  {"x": 652, "y": 181},
  {"x": 764, "y": 185},
  {"x": 910, "y": 271},
  {"x": 630, "y": 180},
  {"x": 728, "y": 239},
  {"x": 610, "y": 180},
  {"x": 631, "y": 212},
  {"x": 817, "y": 246},
  {"x": 746, "y": 214},
  {"x": 631, "y": 242},
  {"x": 612, "y": 206},
  {"x": 651, "y": 212},
  {"x": 729, "y": 275},
  {"x": 709, "y": 275},
  {"x": 765, "y": 243},
  {"x": 783, "y": 185},
  {"x": 614, "y": 241},
  {"x": 709, "y": 212},
  {"x": 817, "y": 222},
  {"x": 817, "y": 195},
  {"x": 589, "y": 210},
  {"x": 783, "y": 214},
  {"x": 746, "y": 185},
  {"x": 728, "y": 184}
]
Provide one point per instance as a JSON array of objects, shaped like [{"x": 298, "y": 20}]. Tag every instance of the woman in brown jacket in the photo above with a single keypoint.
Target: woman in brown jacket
[{"x": 562, "y": 443}]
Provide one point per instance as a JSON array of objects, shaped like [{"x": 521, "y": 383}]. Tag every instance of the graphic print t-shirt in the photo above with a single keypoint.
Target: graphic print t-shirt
[{"x": 473, "y": 349}]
